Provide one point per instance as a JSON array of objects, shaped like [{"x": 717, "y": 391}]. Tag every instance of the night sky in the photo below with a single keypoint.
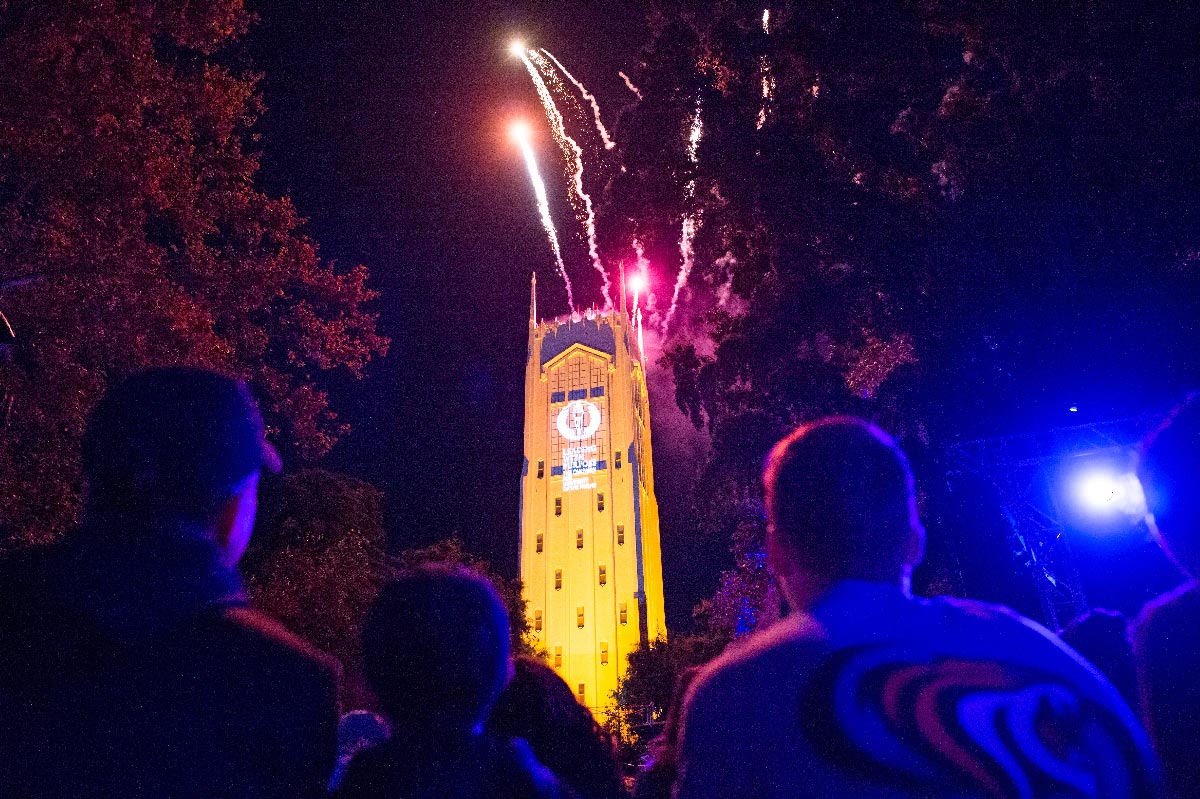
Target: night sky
[{"x": 387, "y": 124}]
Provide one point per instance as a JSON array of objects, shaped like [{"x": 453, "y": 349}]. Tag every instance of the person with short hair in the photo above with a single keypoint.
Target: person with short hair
[
  {"x": 436, "y": 654},
  {"x": 868, "y": 691},
  {"x": 130, "y": 664},
  {"x": 1166, "y": 635}
]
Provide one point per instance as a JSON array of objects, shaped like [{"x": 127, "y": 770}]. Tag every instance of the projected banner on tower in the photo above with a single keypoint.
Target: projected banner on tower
[{"x": 577, "y": 423}]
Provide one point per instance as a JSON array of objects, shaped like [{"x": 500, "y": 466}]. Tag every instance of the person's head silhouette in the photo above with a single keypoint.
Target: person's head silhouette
[
  {"x": 841, "y": 504},
  {"x": 436, "y": 650},
  {"x": 179, "y": 445}
]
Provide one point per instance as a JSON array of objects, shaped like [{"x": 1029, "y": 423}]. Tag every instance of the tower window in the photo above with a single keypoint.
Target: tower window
[
  {"x": 600, "y": 502},
  {"x": 558, "y": 579},
  {"x": 616, "y": 460},
  {"x": 579, "y": 617},
  {"x": 542, "y": 468},
  {"x": 579, "y": 538},
  {"x": 558, "y": 657},
  {"x": 603, "y": 653},
  {"x": 582, "y": 692},
  {"x": 620, "y": 535},
  {"x": 537, "y": 620},
  {"x": 624, "y": 613},
  {"x": 603, "y": 575},
  {"x": 597, "y": 391},
  {"x": 539, "y": 542},
  {"x": 558, "y": 506}
]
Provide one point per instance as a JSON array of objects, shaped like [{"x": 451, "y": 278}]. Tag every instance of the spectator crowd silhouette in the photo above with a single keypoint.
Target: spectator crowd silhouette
[{"x": 131, "y": 664}]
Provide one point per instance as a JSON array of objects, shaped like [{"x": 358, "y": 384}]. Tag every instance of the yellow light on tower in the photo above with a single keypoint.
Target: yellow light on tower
[{"x": 516, "y": 48}]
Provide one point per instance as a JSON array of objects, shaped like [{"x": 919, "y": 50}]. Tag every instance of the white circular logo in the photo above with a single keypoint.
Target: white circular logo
[{"x": 578, "y": 420}]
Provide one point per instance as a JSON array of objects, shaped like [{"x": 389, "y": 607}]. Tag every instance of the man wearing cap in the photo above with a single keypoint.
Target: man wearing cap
[{"x": 129, "y": 662}]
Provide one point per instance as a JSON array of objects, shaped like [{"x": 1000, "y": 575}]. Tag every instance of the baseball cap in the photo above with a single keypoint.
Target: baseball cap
[{"x": 176, "y": 431}]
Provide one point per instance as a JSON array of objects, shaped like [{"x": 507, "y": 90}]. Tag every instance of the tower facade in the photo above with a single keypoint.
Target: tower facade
[{"x": 590, "y": 556}]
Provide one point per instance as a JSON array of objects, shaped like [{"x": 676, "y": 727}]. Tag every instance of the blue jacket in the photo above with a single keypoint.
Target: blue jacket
[{"x": 874, "y": 693}]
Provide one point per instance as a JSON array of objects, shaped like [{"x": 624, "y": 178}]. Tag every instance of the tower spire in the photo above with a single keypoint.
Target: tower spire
[
  {"x": 621, "y": 274},
  {"x": 533, "y": 301}
]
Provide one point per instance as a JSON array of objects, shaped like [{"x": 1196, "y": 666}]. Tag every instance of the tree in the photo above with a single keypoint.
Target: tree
[
  {"x": 994, "y": 202},
  {"x": 317, "y": 562},
  {"x": 644, "y": 695},
  {"x": 132, "y": 235}
]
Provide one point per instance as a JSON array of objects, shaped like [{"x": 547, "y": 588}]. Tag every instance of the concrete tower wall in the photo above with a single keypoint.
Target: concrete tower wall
[{"x": 590, "y": 554}]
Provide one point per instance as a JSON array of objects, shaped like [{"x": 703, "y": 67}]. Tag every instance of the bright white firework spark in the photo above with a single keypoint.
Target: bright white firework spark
[
  {"x": 629, "y": 85},
  {"x": 688, "y": 233},
  {"x": 574, "y": 154},
  {"x": 608, "y": 143},
  {"x": 768, "y": 80},
  {"x": 520, "y": 134}
]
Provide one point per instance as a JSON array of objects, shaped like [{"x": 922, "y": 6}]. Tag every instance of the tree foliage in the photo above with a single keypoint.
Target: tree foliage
[
  {"x": 946, "y": 216},
  {"x": 132, "y": 234},
  {"x": 317, "y": 560}
]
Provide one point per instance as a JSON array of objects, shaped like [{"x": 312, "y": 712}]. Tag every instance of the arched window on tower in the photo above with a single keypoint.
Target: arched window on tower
[
  {"x": 537, "y": 620},
  {"x": 579, "y": 538},
  {"x": 558, "y": 579}
]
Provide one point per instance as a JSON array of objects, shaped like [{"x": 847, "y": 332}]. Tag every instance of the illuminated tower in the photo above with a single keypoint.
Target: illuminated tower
[{"x": 590, "y": 557}]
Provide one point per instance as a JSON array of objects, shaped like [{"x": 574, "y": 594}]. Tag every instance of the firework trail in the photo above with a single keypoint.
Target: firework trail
[
  {"x": 608, "y": 143},
  {"x": 629, "y": 85},
  {"x": 688, "y": 233},
  {"x": 768, "y": 80},
  {"x": 574, "y": 154},
  {"x": 521, "y": 134}
]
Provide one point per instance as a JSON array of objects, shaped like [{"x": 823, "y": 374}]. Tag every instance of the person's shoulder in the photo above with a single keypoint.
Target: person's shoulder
[
  {"x": 257, "y": 636},
  {"x": 1178, "y": 609},
  {"x": 759, "y": 657}
]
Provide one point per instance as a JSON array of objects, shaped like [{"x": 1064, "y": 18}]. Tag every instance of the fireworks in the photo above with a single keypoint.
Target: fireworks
[
  {"x": 520, "y": 134},
  {"x": 545, "y": 71},
  {"x": 574, "y": 155},
  {"x": 688, "y": 232},
  {"x": 608, "y": 143},
  {"x": 629, "y": 85}
]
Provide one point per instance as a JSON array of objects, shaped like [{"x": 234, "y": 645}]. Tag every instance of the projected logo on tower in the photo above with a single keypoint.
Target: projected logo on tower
[{"x": 577, "y": 422}]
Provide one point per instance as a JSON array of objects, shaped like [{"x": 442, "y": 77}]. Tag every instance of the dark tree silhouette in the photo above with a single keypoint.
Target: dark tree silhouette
[{"x": 132, "y": 234}]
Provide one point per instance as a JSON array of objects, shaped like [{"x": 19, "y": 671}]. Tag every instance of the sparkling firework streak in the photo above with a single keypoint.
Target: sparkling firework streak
[
  {"x": 574, "y": 154},
  {"x": 768, "y": 80},
  {"x": 688, "y": 233},
  {"x": 629, "y": 85},
  {"x": 608, "y": 143},
  {"x": 520, "y": 133}
]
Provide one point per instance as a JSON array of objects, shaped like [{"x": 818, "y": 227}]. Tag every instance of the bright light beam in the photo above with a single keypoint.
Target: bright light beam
[
  {"x": 608, "y": 143},
  {"x": 520, "y": 134},
  {"x": 1103, "y": 492}
]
